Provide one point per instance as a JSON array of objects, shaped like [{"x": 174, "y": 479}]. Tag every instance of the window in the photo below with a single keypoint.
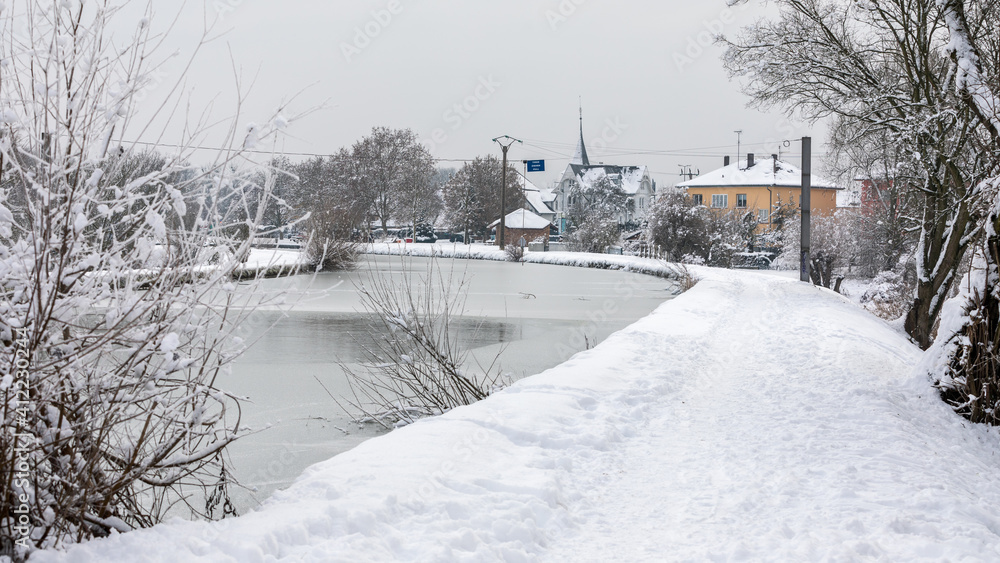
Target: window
[
  {"x": 762, "y": 216},
  {"x": 642, "y": 203},
  {"x": 696, "y": 198},
  {"x": 720, "y": 201},
  {"x": 741, "y": 200}
]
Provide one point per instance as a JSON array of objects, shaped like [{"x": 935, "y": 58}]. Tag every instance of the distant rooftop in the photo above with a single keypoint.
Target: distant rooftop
[
  {"x": 522, "y": 219},
  {"x": 764, "y": 172},
  {"x": 629, "y": 176}
]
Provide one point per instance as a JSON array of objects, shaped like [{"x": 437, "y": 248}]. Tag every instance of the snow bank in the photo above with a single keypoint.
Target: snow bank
[
  {"x": 269, "y": 257},
  {"x": 648, "y": 266},
  {"x": 751, "y": 418}
]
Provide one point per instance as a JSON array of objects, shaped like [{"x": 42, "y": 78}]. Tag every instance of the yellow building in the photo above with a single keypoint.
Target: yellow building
[{"x": 759, "y": 186}]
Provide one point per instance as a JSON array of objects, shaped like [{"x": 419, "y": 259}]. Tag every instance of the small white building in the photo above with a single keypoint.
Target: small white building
[
  {"x": 633, "y": 180},
  {"x": 538, "y": 199},
  {"x": 523, "y": 223}
]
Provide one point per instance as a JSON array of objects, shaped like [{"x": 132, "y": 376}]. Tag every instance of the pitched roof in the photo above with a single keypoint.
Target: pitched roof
[
  {"x": 522, "y": 219},
  {"x": 764, "y": 172},
  {"x": 535, "y": 197},
  {"x": 629, "y": 176}
]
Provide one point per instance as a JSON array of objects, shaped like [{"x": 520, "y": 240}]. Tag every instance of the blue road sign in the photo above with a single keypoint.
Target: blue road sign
[{"x": 536, "y": 166}]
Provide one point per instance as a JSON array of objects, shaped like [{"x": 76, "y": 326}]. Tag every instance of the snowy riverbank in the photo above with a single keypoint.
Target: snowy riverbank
[
  {"x": 649, "y": 266},
  {"x": 751, "y": 418}
]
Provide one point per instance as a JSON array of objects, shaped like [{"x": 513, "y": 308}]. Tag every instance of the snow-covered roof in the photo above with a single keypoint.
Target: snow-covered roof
[
  {"x": 523, "y": 219},
  {"x": 630, "y": 177},
  {"x": 548, "y": 196},
  {"x": 534, "y": 196},
  {"x": 536, "y": 202},
  {"x": 764, "y": 172},
  {"x": 849, "y": 198}
]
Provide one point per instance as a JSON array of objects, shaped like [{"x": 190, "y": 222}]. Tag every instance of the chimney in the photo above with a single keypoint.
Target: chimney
[
  {"x": 725, "y": 161},
  {"x": 749, "y": 160}
]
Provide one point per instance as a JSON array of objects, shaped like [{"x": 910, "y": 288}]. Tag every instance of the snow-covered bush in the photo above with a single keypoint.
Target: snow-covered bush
[
  {"x": 679, "y": 227},
  {"x": 417, "y": 369},
  {"x": 113, "y": 323},
  {"x": 964, "y": 360},
  {"x": 595, "y": 233},
  {"x": 514, "y": 252},
  {"x": 329, "y": 246},
  {"x": 686, "y": 231},
  {"x": 887, "y": 296}
]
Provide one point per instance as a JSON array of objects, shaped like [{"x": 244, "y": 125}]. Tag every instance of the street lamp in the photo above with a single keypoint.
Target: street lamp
[{"x": 505, "y": 142}]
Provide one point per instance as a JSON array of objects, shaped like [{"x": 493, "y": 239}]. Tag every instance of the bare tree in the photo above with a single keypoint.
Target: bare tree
[
  {"x": 472, "y": 196},
  {"x": 881, "y": 65},
  {"x": 113, "y": 325},
  {"x": 416, "y": 368},
  {"x": 393, "y": 170},
  {"x": 966, "y": 359},
  {"x": 417, "y": 195},
  {"x": 679, "y": 226},
  {"x": 885, "y": 229}
]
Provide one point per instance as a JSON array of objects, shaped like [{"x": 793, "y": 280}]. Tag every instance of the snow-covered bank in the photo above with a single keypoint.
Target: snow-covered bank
[
  {"x": 265, "y": 259},
  {"x": 649, "y": 266},
  {"x": 752, "y": 418}
]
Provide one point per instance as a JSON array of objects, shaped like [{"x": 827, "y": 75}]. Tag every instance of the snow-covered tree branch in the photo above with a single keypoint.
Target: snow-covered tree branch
[
  {"x": 117, "y": 301},
  {"x": 882, "y": 68}
]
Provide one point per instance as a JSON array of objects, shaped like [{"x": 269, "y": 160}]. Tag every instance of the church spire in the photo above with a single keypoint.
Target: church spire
[{"x": 581, "y": 150}]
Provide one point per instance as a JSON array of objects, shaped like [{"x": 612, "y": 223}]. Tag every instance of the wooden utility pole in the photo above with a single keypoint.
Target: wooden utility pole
[
  {"x": 505, "y": 142},
  {"x": 805, "y": 204}
]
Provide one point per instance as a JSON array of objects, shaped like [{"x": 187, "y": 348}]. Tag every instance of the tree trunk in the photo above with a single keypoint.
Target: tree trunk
[{"x": 943, "y": 246}]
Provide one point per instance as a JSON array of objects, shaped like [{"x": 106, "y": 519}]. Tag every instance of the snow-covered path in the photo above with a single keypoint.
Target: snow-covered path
[
  {"x": 751, "y": 418},
  {"x": 787, "y": 432}
]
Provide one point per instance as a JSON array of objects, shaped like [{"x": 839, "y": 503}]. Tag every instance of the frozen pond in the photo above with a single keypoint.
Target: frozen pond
[{"x": 536, "y": 315}]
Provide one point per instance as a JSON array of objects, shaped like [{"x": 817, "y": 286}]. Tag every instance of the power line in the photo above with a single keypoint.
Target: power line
[{"x": 611, "y": 152}]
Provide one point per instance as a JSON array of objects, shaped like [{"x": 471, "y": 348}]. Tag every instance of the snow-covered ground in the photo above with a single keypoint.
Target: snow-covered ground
[
  {"x": 751, "y": 418},
  {"x": 268, "y": 257},
  {"x": 490, "y": 252}
]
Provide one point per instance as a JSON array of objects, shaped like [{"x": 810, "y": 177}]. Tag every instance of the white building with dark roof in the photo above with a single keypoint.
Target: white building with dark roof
[
  {"x": 635, "y": 181},
  {"x": 538, "y": 200}
]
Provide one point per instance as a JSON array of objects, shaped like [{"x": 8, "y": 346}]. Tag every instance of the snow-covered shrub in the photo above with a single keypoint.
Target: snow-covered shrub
[
  {"x": 594, "y": 234},
  {"x": 113, "y": 324},
  {"x": 965, "y": 357},
  {"x": 331, "y": 254},
  {"x": 514, "y": 252},
  {"x": 417, "y": 369},
  {"x": 679, "y": 227},
  {"x": 329, "y": 246},
  {"x": 887, "y": 296}
]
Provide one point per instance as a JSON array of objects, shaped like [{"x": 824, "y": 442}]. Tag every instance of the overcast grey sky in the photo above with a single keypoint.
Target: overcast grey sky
[{"x": 461, "y": 72}]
